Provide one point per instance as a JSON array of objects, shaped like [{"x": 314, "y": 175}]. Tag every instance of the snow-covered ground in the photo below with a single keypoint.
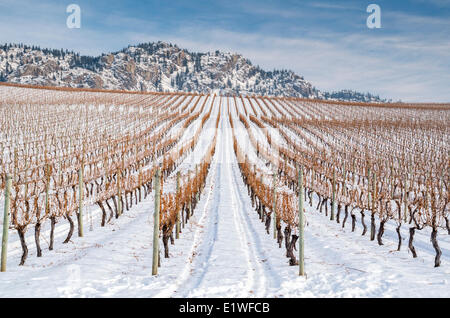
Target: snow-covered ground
[{"x": 223, "y": 251}]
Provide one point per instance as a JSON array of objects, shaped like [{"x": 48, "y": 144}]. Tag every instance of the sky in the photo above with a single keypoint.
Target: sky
[{"x": 327, "y": 42}]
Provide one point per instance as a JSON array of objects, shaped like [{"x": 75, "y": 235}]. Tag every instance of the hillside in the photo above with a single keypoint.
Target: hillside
[{"x": 158, "y": 67}]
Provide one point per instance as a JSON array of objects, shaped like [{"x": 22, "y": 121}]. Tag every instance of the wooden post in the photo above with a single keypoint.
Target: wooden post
[
  {"x": 140, "y": 182},
  {"x": 263, "y": 217},
  {"x": 274, "y": 205},
  {"x": 47, "y": 190},
  {"x": 368, "y": 188},
  {"x": 392, "y": 182},
  {"x": 301, "y": 234},
  {"x": 333, "y": 196},
  {"x": 353, "y": 167},
  {"x": 344, "y": 171},
  {"x": 119, "y": 182},
  {"x": 344, "y": 181},
  {"x": 183, "y": 216},
  {"x": 6, "y": 222},
  {"x": 374, "y": 192},
  {"x": 190, "y": 198},
  {"x": 119, "y": 193},
  {"x": 156, "y": 222},
  {"x": 16, "y": 163},
  {"x": 26, "y": 167},
  {"x": 80, "y": 201},
  {"x": 405, "y": 200},
  {"x": 197, "y": 196},
  {"x": 178, "y": 226}
]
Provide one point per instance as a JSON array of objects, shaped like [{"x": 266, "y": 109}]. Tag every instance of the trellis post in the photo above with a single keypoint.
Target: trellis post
[
  {"x": 274, "y": 205},
  {"x": 197, "y": 196},
  {"x": 16, "y": 163},
  {"x": 6, "y": 222},
  {"x": 178, "y": 226},
  {"x": 368, "y": 187},
  {"x": 405, "y": 215},
  {"x": 47, "y": 190},
  {"x": 374, "y": 192},
  {"x": 344, "y": 180},
  {"x": 392, "y": 182},
  {"x": 119, "y": 183},
  {"x": 80, "y": 200},
  {"x": 333, "y": 196},
  {"x": 191, "y": 200},
  {"x": 301, "y": 234},
  {"x": 263, "y": 217},
  {"x": 119, "y": 192},
  {"x": 156, "y": 222}
]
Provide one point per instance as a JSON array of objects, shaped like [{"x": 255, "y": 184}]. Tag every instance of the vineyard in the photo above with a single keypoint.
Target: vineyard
[{"x": 221, "y": 196}]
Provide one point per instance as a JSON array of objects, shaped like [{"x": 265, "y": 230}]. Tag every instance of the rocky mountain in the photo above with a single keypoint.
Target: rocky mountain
[{"x": 157, "y": 67}]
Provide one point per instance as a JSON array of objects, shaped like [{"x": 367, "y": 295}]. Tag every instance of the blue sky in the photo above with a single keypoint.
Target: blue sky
[{"x": 327, "y": 42}]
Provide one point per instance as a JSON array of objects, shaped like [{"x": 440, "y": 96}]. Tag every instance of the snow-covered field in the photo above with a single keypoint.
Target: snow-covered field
[{"x": 223, "y": 251}]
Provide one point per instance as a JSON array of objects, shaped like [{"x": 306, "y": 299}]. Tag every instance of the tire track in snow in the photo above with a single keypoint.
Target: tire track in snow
[
  {"x": 253, "y": 268},
  {"x": 259, "y": 287},
  {"x": 253, "y": 272},
  {"x": 175, "y": 289},
  {"x": 178, "y": 289},
  {"x": 204, "y": 266},
  {"x": 261, "y": 260}
]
